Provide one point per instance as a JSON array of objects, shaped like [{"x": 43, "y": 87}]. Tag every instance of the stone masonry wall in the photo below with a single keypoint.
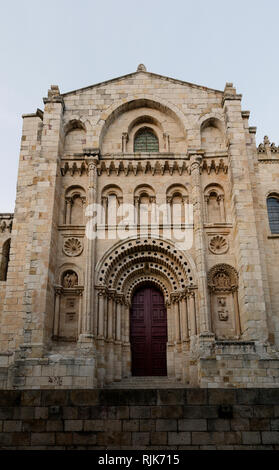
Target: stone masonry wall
[{"x": 171, "y": 419}]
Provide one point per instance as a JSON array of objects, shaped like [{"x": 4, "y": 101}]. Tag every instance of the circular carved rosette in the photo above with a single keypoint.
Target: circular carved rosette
[
  {"x": 218, "y": 245},
  {"x": 72, "y": 247}
]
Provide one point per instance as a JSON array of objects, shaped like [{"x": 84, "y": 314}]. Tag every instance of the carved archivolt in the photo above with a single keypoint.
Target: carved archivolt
[
  {"x": 72, "y": 247},
  {"x": 134, "y": 259},
  {"x": 222, "y": 277},
  {"x": 218, "y": 245}
]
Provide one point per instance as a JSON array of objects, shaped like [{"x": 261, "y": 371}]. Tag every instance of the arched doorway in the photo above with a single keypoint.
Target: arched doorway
[{"x": 148, "y": 332}]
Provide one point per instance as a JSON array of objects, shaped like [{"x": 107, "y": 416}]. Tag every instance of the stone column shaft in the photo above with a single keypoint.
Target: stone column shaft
[
  {"x": 177, "y": 321},
  {"x": 118, "y": 321},
  {"x": 101, "y": 308},
  {"x": 200, "y": 243},
  {"x": 192, "y": 314},
  {"x": 184, "y": 320},
  {"x": 90, "y": 252},
  {"x": 56, "y": 313}
]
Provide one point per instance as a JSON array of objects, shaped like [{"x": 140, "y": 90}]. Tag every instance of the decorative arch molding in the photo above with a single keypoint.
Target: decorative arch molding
[
  {"x": 230, "y": 282},
  {"x": 177, "y": 189},
  {"x": 143, "y": 120},
  {"x": 151, "y": 268},
  {"x": 144, "y": 189},
  {"x": 213, "y": 187},
  {"x": 112, "y": 189},
  {"x": 146, "y": 280},
  {"x": 161, "y": 253},
  {"x": 142, "y": 100}
]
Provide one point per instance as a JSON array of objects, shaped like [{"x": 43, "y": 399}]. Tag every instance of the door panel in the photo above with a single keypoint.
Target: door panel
[{"x": 148, "y": 333}]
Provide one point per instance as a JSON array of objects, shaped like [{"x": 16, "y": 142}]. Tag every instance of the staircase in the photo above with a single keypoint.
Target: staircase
[{"x": 147, "y": 382}]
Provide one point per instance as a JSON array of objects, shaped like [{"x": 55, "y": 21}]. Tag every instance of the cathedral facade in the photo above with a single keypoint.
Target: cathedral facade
[{"x": 144, "y": 242}]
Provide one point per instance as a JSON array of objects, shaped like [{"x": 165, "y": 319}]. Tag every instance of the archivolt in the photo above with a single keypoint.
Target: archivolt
[{"x": 136, "y": 259}]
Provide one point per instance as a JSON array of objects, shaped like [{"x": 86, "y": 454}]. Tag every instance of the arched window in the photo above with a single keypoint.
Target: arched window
[
  {"x": 273, "y": 213},
  {"x": 146, "y": 141},
  {"x": 214, "y": 204},
  {"x": 5, "y": 258},
  {"x": 74, "y": 206}
]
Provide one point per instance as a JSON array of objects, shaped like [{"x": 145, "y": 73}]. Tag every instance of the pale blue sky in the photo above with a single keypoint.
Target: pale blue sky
[{"x": 79, "y": 43}]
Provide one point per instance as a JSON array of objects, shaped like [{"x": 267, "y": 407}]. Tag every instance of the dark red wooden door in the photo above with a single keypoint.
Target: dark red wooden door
[{"x": 148, "y": 333}]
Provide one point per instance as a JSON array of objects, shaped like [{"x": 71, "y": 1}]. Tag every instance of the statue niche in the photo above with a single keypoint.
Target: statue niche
[
  {"x": 68, "y": 302},
  {"x": 223, "y": 285}
]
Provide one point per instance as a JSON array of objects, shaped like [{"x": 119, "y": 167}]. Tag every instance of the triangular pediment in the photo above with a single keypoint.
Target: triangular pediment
[{"x": 146, "y": 74}]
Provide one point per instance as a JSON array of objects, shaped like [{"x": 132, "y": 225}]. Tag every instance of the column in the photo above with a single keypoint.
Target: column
[
  {"x": 100, "y": 337},
  {"x": 118, "y": 345},
  {"x": 80, "y": 293},
  {"x": 222, "y": 208},
  {"x": 206, "y": 202},
  {"x": 58, "y": 292},
  {"x": 110, "y": 358},
  {"x": 195, "y": 162},
  {"x": 126, "y": 369},
  {"x": 177, "y": 320},
  {"x": 101, "y": 310},
  {"x": 170, "y": 345},
  {"x": 192, "y": 313},
  {"x": 90, "y": 248},
  {"x": 184, "y": 319},
  {"x": 124, "y": 142},
  {"x": 68, "y": 207}
]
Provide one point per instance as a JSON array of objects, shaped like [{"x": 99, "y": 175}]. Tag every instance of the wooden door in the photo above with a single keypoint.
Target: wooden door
[{"x": 148, "y": 333}]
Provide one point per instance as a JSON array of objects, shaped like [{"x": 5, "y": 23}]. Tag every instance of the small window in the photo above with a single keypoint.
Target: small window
[
  {"x": 273, "y": 213},
  {"x": 146, "y": 141}
]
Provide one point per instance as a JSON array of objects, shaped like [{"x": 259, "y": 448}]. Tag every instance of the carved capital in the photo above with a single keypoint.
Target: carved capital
[
  {"x": 58, "y": 290},
  {"x": 91, "y": 162}
]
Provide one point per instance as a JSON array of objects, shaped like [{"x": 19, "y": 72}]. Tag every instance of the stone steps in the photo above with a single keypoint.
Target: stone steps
[{"x": 146, "y": 383}]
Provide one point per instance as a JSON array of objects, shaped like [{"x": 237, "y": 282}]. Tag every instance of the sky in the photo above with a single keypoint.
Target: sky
[{"x": 78, "y": 43}]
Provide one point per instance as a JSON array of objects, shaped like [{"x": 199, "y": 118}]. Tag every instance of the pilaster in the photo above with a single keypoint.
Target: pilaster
[
  {"x": 200, "y": 248},
  {"x": 251, "y": 292}
]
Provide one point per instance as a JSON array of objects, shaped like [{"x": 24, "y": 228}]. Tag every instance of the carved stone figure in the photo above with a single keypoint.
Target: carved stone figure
[{"x": 70, "y": 279}]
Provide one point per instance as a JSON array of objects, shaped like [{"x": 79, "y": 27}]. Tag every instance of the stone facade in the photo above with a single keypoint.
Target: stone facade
[
  {"x": 170, "y": 419},
  {"x": 66, "y": 296}
]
